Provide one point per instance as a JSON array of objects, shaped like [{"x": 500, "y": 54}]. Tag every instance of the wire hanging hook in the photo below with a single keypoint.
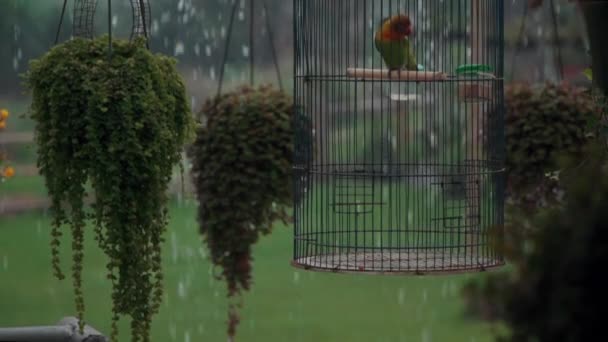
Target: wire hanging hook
[{"x": 251, "y": 44}]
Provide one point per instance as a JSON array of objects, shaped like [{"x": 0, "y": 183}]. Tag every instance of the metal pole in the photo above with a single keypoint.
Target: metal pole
[
  {"x": 251, "y": 43},
  {"x": 110, "y": 29},
  {"x": 66, "y": 330}
]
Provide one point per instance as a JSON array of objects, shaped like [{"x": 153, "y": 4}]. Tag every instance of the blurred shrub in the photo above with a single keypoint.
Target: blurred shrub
[
  {"x": 544, "y": 127},
  {"x": 556, "y": 293},
  {"x": 542, "y": 124}
]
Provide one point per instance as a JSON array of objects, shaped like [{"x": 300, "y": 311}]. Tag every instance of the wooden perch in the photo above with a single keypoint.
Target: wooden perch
[{"x": 399, "y": 75}]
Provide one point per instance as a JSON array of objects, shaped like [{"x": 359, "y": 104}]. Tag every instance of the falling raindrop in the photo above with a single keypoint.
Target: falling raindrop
[
  {"x": 174, "y": 251},
  {"x": 426, "y": 335},
  {"x": 155, "y": 27},
  {"x": 401, "y": 296},
  {"x": 245, "y": 51},
  {"x": 179, "y": 48},
  {"x": 173, "y": 331},
  {"x": 192, "y": 105},
  {"x": 296, "y": 277},
  {"x": 181, "y": 290},
  {"x": 444, "y": 290},
  {"x": 187, "y": 336}
]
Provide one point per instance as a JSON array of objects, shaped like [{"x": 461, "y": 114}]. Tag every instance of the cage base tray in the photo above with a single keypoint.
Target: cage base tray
[{"x": 419, "y": 262}]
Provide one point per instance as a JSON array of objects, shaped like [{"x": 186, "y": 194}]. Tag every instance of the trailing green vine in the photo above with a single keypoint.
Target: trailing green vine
[
  {"x": 114, "y": 128},
  {"x": 242, "y": 175}
]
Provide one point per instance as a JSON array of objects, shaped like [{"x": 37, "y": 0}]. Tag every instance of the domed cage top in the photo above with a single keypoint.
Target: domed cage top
[{"x": 400, "y": 170}]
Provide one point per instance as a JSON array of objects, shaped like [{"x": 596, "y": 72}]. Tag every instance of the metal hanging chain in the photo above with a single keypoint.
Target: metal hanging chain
[
  {"x": 251, "y": 45},
  {"x": 65, "y": 4},
  {"x": 559, "y": 63},
  {"x": 520, "y": 39},
  {"x": 273, "y": 49},
  {"x": 109, "y": 29},
  {"x": 227, "y": 47}
]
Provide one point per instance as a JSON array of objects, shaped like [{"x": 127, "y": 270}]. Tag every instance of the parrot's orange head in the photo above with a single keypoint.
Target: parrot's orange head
[{"x": 401, "y": 25}]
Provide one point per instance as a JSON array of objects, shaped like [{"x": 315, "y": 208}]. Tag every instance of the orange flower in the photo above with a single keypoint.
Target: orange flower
[
  {"x": 4, "y": 114},
  {"x": 2, "y": 124},
  {"x": 8, "y": 172}
]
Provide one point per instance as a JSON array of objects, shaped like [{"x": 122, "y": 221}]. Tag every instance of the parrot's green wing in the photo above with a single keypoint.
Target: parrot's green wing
[
  {"x": 397, "y": 54},
  {"x": 410, "y": 63}
]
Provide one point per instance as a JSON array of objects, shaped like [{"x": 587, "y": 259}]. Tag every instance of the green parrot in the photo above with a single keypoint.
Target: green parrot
[{"x": 393, "y": 43}]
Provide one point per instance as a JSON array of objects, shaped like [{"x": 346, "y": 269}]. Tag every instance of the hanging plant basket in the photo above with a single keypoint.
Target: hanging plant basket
[
  {"x": 115, "y": 126},
  {"x": 242, "y": 176}
]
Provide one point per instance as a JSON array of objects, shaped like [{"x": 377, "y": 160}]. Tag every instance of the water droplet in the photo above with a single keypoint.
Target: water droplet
[
  {"x": 444, "y": 290},
  {"x": 174, "y": 252},
  {"x": 181, "y": 290},
  {"x": 426, "y": 335},
  {"x": 173, "y": 331},
  {"x": 165, "y": 17},
  {"x": 179, "y": 48}
]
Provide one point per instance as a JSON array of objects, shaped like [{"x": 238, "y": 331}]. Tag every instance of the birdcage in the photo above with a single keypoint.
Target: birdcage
[{"x": 406, "y": 170}]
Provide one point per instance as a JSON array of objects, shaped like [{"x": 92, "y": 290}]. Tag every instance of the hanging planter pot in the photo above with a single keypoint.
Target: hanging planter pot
[{"x": 113, "y": 128}]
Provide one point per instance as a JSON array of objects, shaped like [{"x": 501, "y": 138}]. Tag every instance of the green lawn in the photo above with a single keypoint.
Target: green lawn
[
  {"x": 284, "y": 305},
  {"x": 21, "y": 185}
]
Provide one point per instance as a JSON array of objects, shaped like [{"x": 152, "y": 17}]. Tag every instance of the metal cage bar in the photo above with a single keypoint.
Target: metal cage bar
[{"x": 406, "y": 173}]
